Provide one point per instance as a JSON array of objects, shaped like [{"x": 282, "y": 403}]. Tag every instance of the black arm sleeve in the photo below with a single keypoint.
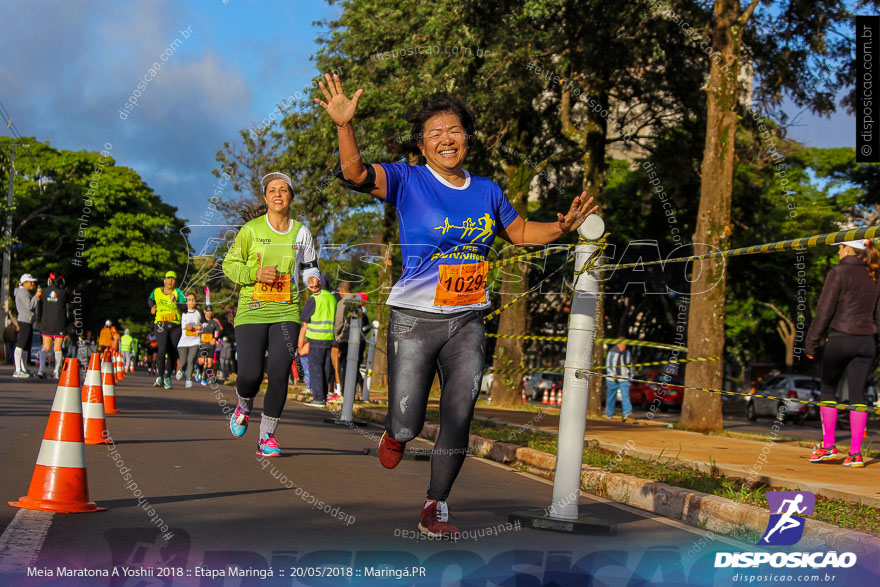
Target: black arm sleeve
[{"x": 365, "y": 186}]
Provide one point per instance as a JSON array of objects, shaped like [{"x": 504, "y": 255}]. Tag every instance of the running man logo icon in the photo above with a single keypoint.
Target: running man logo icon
[{"x": 785, "y": 526}]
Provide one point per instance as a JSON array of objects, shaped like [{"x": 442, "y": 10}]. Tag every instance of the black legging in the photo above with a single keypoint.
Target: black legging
[
  {"x": 253, "y": 340},
  {"x": 853, "y": 354},
  {"x": 421, "y": 344},
  {"x": 168, "y": 335}
]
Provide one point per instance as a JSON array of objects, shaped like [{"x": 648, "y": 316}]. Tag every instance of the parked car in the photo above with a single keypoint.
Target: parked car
[
  {"x": 539, "y": 382},
  {"x": 780, "y": 388},
  {"x": 645, "y": 394}
]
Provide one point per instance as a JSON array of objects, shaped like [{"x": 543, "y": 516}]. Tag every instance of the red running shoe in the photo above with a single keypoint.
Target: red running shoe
[
  {"x": 854, "y": 461},
  {"x": 824, "y": 454},
  {"x": 435, "y": 520},
  {"x": 390, "y": 451}
]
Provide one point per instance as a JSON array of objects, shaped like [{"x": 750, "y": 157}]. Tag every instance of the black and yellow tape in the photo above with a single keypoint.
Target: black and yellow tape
[
  {"x": 598, "y": 367},
  {"x": 842, "y": 407},
  {"x": 797, "y": 243},
  {"x": 626, "y": 341}
]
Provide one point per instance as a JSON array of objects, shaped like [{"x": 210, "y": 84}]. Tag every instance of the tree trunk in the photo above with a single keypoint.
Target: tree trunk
[
  {"x": 506, "y": 388},
  {"x": 701, "y": 411}
]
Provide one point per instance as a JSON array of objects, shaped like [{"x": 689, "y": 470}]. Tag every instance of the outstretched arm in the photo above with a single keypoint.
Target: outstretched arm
[{"x": 524, "y": 232}]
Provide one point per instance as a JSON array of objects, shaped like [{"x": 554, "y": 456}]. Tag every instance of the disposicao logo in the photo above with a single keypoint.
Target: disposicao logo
[{"x": 785, "y": 528}]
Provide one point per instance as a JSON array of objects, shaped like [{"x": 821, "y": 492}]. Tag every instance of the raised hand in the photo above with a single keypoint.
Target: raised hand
[
  {"x": 580, "y": 209},
  {"x": 338, "y": 106}
]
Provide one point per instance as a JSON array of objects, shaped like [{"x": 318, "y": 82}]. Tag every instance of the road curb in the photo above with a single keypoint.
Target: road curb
[
  {"x": 708, "y": 512},
  {"x": 739, "y": 474}
]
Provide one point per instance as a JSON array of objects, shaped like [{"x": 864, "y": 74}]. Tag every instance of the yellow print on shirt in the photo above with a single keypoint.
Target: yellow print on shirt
[
  {"x": 468, "y": 252},
  {"x": 468, "y": 227}
]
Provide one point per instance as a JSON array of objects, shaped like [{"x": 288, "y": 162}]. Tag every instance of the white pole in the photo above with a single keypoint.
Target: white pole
[
  {"x": 371, "y": 356},
  {"x": 578, "y": 355},
  {"x": 351, "y": 366}
]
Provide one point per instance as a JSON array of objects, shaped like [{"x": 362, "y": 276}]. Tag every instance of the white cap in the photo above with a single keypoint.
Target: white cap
[
  {"x": 27, "y": 277},
  {"x": 276, "y": 175},
  {"x": 859, "y": 244},
  {"x": 108, "y": 323}
]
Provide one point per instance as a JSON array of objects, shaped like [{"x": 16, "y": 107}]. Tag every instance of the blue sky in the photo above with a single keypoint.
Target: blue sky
[{"x": 68, "y": 68}]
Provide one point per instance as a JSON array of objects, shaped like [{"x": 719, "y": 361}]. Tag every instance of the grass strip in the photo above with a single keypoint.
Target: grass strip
[{"x": 667, "y": 469}]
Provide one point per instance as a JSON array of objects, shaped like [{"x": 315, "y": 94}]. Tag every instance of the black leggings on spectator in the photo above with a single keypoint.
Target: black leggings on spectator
[
  {"x": 852, "y": 354},
  {"x": 167, "y": 335},
  {"x": 421, "y": 344},
  {"x": 253, "y": 340}
]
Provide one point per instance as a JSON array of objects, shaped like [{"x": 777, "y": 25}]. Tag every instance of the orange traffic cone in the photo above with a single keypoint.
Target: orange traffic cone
[
  {"x": 108, "y": 385},
  {"x": 93, "y": 404},
  {"x": 545, "y": 399},
  {"x": 59, "y": 482},
  {"x": 524, "y": 396},
  {"x": 117, "y": 367},
  {"x": 557, "y": 398}
]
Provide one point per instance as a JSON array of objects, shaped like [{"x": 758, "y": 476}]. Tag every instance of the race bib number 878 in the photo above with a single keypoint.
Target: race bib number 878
[
  {"x": 461, "y": 285},
  {"x": 279, "y": 291}
]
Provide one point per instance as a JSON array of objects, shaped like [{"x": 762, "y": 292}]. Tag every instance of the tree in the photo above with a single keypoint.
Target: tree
[
  {"x": 796, "y": 43},
  {"x": 99, "y": 225}
]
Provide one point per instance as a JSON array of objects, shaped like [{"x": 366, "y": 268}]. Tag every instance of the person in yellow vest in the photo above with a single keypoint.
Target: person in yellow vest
[
  {"x": 126, "y": 347},
  {"x": 318, "y": 316},
  {"x": 166, "y": 304}
]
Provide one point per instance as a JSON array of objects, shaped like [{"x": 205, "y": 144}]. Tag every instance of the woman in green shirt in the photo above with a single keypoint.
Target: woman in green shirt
[{"x": 270, "y": 252}]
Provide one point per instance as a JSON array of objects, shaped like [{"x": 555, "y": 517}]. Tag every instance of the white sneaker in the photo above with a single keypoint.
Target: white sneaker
[
  {"x": 22, "y": 374},
  {"x": 179, "y": 375}
]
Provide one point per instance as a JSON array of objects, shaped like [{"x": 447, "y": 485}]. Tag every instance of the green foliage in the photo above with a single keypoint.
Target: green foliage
[{"x": 98, "y": 224}]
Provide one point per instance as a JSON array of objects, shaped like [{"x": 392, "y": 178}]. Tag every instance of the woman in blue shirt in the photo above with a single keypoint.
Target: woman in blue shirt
[{"x": 448, "y": 220}]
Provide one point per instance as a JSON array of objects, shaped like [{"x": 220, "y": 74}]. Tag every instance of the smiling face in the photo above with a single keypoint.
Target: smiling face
[
  {"x": 278, "y": 196},
  {"x": 444, "y": 142}
]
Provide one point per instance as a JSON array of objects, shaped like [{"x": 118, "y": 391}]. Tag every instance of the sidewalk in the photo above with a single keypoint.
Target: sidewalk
[{"x": 779, "y": 465}]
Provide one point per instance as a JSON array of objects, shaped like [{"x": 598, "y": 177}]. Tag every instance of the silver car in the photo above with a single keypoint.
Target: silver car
[{"x": 782, "y": 389}]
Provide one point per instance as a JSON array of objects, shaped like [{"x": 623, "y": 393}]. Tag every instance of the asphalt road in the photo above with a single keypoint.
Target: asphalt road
[{"x": 225, "y": 506}]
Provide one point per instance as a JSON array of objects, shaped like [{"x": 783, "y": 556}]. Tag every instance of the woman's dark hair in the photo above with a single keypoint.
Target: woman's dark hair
[
  {"x": 440, "y": 104},
  {"x": 870, "y": 256}
]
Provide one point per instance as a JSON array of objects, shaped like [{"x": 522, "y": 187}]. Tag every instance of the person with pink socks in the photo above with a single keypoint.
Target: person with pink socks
[{"x": 848, "y": 316}]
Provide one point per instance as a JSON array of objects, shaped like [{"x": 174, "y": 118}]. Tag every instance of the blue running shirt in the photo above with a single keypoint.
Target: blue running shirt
[{"x": 445, "y": 236}]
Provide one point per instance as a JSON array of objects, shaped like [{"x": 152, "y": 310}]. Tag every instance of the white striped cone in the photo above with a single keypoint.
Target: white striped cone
[
  {"x": 117, "y": 367},
  {"x": 93, "y": 404},
  {"x": 59, "y": 482},
  {"x": 108, "y": 385}
]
